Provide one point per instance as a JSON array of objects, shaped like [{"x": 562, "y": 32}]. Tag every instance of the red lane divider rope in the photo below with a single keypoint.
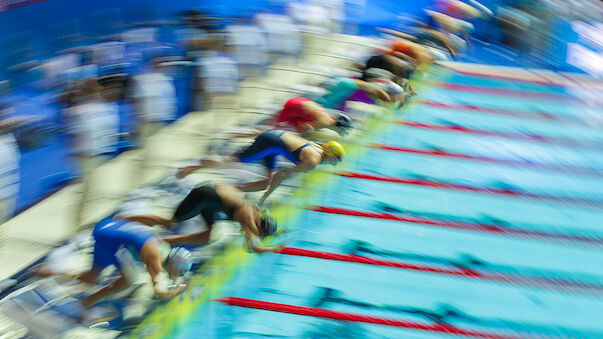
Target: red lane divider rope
[
  {"x": 525, "y": 114},
  {"x": 568, "y": 82},
  {"x": 544, "y": 82},
  {"x": 507, "y": 92},
  {"x": 592, "y": 203},
  {"x": 463, "y": 225},
  {"x": 567, "y": 142},
  {"x": 376, "y": 262},
  {"x": 511, "y": 162},
  {"x": 345, "y": 316},
  {"x": 567, "y": 285}
]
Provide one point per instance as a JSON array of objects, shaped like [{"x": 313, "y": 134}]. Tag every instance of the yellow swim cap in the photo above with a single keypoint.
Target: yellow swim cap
[{"x": 333, "y": 148}]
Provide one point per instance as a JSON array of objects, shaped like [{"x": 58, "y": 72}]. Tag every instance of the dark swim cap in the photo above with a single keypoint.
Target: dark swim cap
[
  {"x": 342, "y": 121},
  {"x": 268, "y": 223}
]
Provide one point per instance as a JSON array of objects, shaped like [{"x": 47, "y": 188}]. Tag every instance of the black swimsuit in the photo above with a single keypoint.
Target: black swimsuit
[{"x": 205, "y": 201}]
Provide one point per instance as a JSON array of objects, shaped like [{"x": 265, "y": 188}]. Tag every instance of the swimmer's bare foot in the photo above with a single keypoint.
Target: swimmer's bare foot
[
  {"x": 245, "y": 135},
  {"x": 184, "y": 171},
  {"x": 41, "y": 270}
]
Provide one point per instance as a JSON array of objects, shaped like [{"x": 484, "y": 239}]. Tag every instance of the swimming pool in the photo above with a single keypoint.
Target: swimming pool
[{"x": 438, "y": 232}]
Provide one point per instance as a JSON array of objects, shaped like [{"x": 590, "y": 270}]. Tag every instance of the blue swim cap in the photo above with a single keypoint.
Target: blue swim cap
[{"x": 180, "y": 259}]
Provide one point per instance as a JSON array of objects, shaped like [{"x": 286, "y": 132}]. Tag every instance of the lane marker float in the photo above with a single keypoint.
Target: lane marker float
[
  {"x": 532, "y": 137},
  {"x": 564, "y": 168},
  {"x": 511, "y": 92},
  {"x": 563, "y": 284},
  {"x": 463, "y": 225},
  {"x": 353, "y": 317},
  {"x": 507, "y": 191},
  {"x": 515, "y": 113}
]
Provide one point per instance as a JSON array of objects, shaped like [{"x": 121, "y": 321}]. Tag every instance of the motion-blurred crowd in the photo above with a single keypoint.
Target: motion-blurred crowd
[{"x": 95, "y": 92}]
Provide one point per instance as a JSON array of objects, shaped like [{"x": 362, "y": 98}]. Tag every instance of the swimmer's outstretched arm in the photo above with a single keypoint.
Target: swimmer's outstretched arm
[
  {"x": 377, "y": 91},
  {"x": 282, "y": 231},
  {"x": 171, "y": 293},
  {"x": 153, "y": 262},
  {"x": 281, "y": 175},
  {"x": 255, "y": 244},
  {"x": 276, "y": 180}
]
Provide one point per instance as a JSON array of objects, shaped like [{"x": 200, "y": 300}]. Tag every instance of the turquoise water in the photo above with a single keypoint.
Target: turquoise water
[{"x": 402, "y": 294}]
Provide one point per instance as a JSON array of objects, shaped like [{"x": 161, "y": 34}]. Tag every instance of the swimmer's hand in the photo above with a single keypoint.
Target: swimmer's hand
[
  {"x": 255, "y": 244},
  {"x": 381, "y": 94},
  {"x": 412, "y": 91},
  {"x": 283, "y": 231},
  {"x": 172, "y": 292}
]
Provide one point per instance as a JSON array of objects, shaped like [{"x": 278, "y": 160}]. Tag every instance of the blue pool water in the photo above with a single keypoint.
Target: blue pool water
[{"x": 402, "y": 294}]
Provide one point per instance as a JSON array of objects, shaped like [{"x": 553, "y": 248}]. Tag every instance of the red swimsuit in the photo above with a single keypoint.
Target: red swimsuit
[{"x": 294, "y": 114}]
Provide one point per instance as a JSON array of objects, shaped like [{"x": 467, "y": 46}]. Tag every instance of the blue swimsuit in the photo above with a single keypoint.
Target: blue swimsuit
[
  {"x": 268, "y": 146},
  {"x": 111, "y": 234}
]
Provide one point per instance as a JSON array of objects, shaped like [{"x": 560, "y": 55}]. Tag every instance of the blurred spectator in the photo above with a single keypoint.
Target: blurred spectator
[
  {"x": 335, "y": 10},
  {"x": 310, "y": 18},
  {"x": 198, "y": 35},
  {"x": 56, "y": 68},
  {"x": 219, "y": 75},
  {"x": 154, "y": 97},
  {"x": 282, "y": 33},
  {"x": 94, "y": 128},
  {"x": 9, "y": 163},
  {"x": 248, "y": 46},
  {"x": 75, "y": 76},
  {"x": 137, "y": 36},
  {"x": 198, "y": 38},
  {"x": 355, "y": 10}
]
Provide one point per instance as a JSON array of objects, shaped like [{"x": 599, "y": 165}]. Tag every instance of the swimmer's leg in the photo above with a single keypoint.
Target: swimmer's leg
[
  {"x": 204, "y": 163},
  {"x": 88, "y": 277},
  {"x": 116, "y": 286},
  {"x": 43, "y": 270},
  {"x": 200, "y": 238},
  {"x": 149, "y": 220},
  {"x": 254, "y": 186}
]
